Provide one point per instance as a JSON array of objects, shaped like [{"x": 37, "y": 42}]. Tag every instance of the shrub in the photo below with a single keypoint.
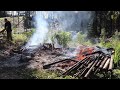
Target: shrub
[
  {"x": 81, "y": 39},
  {"x": 114, "y": 42},
  {"x": 62, "y": 37}
]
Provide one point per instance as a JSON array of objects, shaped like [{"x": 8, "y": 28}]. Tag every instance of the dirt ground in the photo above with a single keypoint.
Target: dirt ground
[{"x": 12, "y": 68}]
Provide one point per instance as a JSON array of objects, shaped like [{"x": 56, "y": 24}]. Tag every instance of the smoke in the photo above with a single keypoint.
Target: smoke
[
  {"x": 72, "y": 21},
  {"x": 41, "y": 31}
]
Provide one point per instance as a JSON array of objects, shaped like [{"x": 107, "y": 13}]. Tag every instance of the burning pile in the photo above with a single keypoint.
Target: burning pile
[{"x": 89, "y": 61}]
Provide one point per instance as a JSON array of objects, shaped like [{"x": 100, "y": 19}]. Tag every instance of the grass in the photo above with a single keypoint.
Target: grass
[
  {"x": 29, "y": 33},
  {"x": 44, "y": 74},
  {"x": 114, "y": 42},
  {"x": 22, "y": 37},
  {"x": 116, "y": 74},
  {"x": 19, "y": 38}
]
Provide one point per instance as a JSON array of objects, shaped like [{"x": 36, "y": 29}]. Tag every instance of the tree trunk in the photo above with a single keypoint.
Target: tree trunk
[
  {"x": 13, "y": 18},
  {"x": 111, "y": 24},
  {"x": 18, "y": 18},
  {"x": 100, "y": 14},
  {"x": 96, "y": 23}
]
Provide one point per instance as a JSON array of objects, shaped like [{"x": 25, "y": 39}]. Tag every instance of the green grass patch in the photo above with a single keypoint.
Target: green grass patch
[
  {"x": 116, "y": 73},
  {"x": 48, "y": 75},
  {"x": 29, "y": 33},
  {"x": 19, "y": 38},
  {"x": 114, "y": 42},
  {"x": 44, "y": 74}
]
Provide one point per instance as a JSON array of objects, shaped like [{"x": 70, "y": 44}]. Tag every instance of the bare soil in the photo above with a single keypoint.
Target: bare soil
[{"x": 12, "y": 68}]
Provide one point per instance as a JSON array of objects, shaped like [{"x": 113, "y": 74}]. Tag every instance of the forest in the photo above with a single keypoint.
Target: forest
[{"x": 60, "y": 45}]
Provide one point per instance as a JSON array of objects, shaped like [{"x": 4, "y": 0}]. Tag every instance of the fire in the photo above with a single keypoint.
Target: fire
[{"x": 83, "y": 50}]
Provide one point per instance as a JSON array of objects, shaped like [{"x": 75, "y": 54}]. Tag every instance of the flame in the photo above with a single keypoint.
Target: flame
[{"x": 82, "y": 51}]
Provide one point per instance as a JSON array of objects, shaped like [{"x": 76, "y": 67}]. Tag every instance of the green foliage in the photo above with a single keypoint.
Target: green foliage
[
  {"x": 19, "y": 38},
  {"x": 23, "y": 37},
  {"x": 113, "y": 42},
  {"x": 116, "y": 73},
  {"x": 14, "y": 30},
  {"x": 108, "y": 20},
  {"x": 29, "y": 33},
  {"x": 43, "y": 74},
  {"x": 63, "y": 38},
  {"x": 81, "y": 39}
]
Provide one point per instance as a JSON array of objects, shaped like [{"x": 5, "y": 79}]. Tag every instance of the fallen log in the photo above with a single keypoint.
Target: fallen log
[{"x": 48, "y": 65}]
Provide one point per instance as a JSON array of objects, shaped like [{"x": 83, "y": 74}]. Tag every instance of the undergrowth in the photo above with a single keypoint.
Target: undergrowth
[
  {"x": 44, "y": 74},
  {"x": 113, "y": 42}
]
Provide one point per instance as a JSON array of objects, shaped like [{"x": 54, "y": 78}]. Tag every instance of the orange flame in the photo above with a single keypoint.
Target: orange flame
[{"x": 82, "y": 51}]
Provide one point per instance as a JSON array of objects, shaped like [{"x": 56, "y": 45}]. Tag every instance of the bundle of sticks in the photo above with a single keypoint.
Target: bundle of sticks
[
  {"x": 92, "y": 64},
  {"x": 100, "y": 60}
]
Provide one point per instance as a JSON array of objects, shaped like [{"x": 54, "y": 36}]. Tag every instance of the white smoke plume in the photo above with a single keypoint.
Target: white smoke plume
[
  {"x": 41, "y": 30},
  {"x": 68, "y": 21}
]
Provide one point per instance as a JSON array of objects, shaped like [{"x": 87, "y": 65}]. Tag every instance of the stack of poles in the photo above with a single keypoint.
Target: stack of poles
[{"x": 91, "y": 65}]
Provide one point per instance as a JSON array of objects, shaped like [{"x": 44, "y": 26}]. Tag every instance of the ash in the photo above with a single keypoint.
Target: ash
[
  {"x": 47, "y": 56},
  {"x": 35, "y": 59}
]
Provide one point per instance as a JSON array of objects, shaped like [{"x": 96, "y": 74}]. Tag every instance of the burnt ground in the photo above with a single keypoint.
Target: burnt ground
[
  {"x": 9, "y": 67},
  {"x": 12, "y": 68}
]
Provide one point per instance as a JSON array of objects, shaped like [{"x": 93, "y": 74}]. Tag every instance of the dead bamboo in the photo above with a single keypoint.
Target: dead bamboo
[
  {"x": 103, "y": 62},
  {"x": 101, "y": 59},
  {"x": 86, "y": 69},
  {"x": 111, "y": 63},
  {"x": 84, "y": 65},
  {"x": 75, "y": 66},
  {"x": 89, "y": 71},
  {"x": 81, "y": 68},
  {"x": 106, "y": 64}
]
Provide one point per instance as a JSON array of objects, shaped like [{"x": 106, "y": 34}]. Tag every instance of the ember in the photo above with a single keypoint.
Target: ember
[{"x": 83, "y": 51}]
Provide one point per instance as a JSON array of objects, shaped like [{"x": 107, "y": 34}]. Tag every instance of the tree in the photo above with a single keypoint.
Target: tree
[
  {"x": 3, "y": 14},
  {"x": 109, "y": 21}
]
